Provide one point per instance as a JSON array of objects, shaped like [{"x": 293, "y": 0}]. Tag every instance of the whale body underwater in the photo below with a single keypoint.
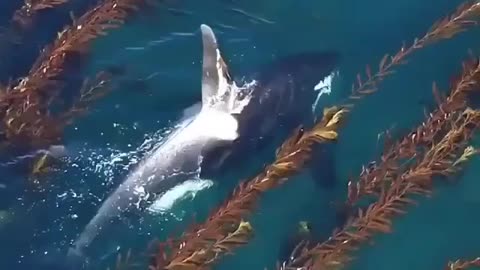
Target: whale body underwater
[{"x": 229, "y": 122}]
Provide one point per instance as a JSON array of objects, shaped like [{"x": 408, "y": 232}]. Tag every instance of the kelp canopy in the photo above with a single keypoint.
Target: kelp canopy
[{"x": 35, "y": 115}]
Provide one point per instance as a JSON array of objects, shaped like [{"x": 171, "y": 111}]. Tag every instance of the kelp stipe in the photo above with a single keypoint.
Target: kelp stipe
[
  {"x": 463, "y": 264},
  {"x": 24, "y": 108},
  {"x": 204, "y": 258},
  {"x": 91, "y": 91}
]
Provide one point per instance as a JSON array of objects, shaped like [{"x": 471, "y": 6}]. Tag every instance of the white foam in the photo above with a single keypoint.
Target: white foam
[
  {"x": 239, "y": 97},
  {"x": 324, "y": 86},
  {"x": 215, "y": 124},
  {"x": 230, "y": 97},
  {"x": 215, "y": 119}
]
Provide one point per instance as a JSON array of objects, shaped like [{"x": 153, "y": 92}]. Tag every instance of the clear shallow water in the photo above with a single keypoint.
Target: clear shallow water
[{"x": 37, "y": 226}]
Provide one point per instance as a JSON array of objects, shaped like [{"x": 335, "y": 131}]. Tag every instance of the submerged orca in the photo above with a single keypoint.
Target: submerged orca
[{"x": 230, "y": 120}]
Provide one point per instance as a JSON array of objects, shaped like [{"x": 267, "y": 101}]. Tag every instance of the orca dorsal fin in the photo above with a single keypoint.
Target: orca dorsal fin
[{"x": 215, "y": 75}]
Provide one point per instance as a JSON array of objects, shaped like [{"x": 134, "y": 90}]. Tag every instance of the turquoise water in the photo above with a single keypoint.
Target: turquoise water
[{"x": 162, "y": 78}]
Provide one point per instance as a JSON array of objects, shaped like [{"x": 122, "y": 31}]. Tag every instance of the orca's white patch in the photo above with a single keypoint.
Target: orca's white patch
[
  {"x": 324, "y": 86},
  {"x": 180, "y": 192}
]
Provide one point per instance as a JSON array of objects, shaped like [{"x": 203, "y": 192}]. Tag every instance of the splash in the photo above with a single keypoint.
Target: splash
[
  {"x": 233, "y": 98},
  {"x": 323, "y": 87},
  {"x": 240, "y": 96}
]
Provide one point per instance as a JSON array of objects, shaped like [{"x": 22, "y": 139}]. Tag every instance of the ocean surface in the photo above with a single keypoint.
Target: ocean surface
[{"x": 159, "y": 51}]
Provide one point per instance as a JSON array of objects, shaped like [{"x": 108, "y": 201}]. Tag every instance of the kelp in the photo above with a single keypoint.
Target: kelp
[
  {"x": 463, "y": 264},
  {"x": 200, "y": 259},
  {"x": 443, "y": 158},
  {"x": 189, "y": 251},
  {"x": 391, "y": 181},
  {"x": 25, "y": 107},
  {"x": 49, "y": 125},
  {"x": 198, "y": 248},
  {"x": 438, "y": 147},
  {"x": 24, "y": 17},
  {"x": 466, "y": 15},
  {"x": 91, "y": 90},
  {"x": 397, "y": 155}
]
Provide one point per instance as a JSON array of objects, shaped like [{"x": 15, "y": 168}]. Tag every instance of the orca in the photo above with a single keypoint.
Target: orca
[{"x": 229, "y": 121}]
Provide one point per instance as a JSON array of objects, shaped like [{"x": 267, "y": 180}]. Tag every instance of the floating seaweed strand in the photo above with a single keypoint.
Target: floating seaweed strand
[
  {"x": 441, "y": 159},
  {"x": 194, "y": 249},
  {"x": 463, "y": 265},
  {"x": 24, "y": 107},
  {"x": 466, "y": 15},
  {"x": 436, "y": 124},
  {"x": 24, "y": 16}
]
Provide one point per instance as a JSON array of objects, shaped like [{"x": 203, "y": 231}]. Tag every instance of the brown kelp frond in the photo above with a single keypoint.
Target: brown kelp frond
[
  {"x": 25, "y": 113},
  {"x": 47, "y": 128},
  {"x": 434, "y": 127},
  {"x": 23, "y": 17},
  {"x": 200, "y": 246},
  {"x": 75, "y": 39},
  {"x": 467, "y": 154},
  {"x": 91, "y": 91},
  {"x": 40, "y": 165},
  {"x": 238, "y": 238},
  {"x": 466, "y": 15},
  {"x": 203, "y": 258},
  {"x": 394, "y": 196},
  {"x": 463, "y": 265}
]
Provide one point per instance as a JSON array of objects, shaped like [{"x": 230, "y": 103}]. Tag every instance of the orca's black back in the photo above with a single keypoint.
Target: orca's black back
[{"x": 282, "y": 100}]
